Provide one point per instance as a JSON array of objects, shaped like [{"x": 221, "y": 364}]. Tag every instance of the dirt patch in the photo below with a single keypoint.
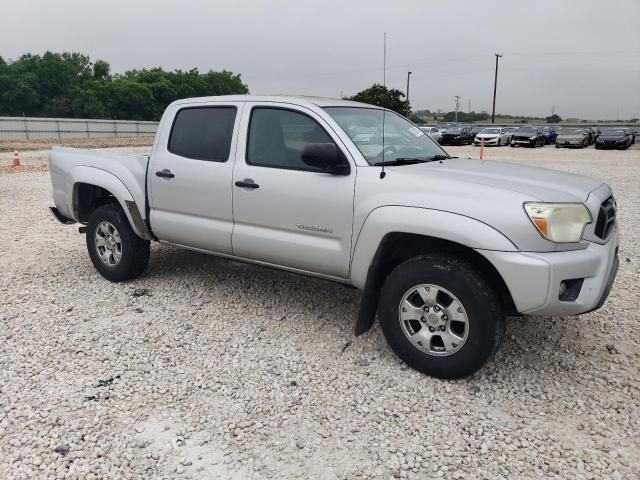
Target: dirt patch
[{"x": 102, "y": 142}]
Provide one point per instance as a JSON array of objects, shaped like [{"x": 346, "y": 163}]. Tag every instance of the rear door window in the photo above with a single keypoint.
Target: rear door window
[{"x": 203, "y": 133}]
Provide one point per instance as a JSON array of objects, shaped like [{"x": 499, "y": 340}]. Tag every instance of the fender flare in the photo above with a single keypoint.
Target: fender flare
[
  {"x": 111, "y": 183},
  {"x": 387, "y": 220},
  {"x": 440, "y": 224}
]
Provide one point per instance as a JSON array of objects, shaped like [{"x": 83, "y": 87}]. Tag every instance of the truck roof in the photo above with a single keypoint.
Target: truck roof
[{"x": 295, "y": 99}]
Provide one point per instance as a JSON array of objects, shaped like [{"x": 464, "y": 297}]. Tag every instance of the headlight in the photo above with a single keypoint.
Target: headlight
[
  {"x": 532, "y": 138},
  {"x": 559, "y": 222}
]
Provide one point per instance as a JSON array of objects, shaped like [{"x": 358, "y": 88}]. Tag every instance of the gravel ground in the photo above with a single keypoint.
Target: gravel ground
[{"x": 205, "y": 368}]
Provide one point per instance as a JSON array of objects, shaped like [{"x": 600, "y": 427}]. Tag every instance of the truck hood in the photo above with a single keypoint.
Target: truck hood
[
  {"x": 540, "y": 184},
  {"x": 490, "y": 192}
]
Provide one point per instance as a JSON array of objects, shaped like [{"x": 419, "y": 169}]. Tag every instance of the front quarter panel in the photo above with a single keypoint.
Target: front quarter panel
[{"x": 421, "y": 221}]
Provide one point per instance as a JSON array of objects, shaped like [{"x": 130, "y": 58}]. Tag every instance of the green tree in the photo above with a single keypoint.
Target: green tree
[
  {"x": 464, "y": 117},
  {"x": 381, "y": 96},
  {"x": 555, "y": 118},
  {"x": 71, "y": 85}
]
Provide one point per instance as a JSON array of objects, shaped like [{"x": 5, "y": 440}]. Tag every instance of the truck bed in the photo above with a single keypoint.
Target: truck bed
[{"x": 116, "y": 172}]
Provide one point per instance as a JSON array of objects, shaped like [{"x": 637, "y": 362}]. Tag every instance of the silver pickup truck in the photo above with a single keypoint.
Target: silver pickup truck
[{"x": 443, "y": 248}]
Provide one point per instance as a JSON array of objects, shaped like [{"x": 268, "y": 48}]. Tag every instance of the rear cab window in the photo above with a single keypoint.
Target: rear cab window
[{"x": 203, "y": 133}]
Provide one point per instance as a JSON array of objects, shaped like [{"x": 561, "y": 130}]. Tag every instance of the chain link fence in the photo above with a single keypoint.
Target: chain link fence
[{"x": 31, "y": 128}]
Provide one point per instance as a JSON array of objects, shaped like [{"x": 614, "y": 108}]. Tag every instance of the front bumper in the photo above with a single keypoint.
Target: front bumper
[
  {"x": 534, "y": 278},
  {"x": 522, "y": 142},
  {"x": 487, "y": 141},
  {"x": 610, "y": 146}
]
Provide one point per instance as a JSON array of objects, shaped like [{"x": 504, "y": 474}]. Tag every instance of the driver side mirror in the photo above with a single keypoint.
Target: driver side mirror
[{"x": 326, "y": 157}]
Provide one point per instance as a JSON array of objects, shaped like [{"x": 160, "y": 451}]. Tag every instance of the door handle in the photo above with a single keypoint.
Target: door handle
[
  {"x": 166, "y": 173},
  {"x": 247, "y": 183}
]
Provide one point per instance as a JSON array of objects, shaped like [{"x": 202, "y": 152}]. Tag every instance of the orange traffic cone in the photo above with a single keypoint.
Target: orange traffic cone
[
  {"x": 16, "y": 159},
  {"x": 482, "y": 149}
]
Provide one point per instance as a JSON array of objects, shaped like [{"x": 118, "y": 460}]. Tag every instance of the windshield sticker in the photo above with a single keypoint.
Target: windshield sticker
[{"x": 416, "y": 131}]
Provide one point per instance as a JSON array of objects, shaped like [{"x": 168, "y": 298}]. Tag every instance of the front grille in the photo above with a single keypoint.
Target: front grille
[{"x": 606, "y": 218}]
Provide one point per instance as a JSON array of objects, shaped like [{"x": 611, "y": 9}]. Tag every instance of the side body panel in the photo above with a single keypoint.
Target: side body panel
[
  {"x": 297, "y": 219},
  {"x": 194, "y": 208}
]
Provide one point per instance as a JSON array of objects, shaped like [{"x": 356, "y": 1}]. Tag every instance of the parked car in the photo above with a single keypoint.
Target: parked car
[
  {"x": 492, "y": 136},
  {"x": 591, "y": 132},
  {"x": 633, "y": 133},
  {"x": 528, "y": 137},
  {"x": 457, "y": 136},
  {"x": 550, "y": 135},
  {"x": 619, "y": 138},
  {"x": 446, "y": 125},
  {"x": 573, "y": 137},
  {"x": 475, "y": 130},
  {"x": 443, "y": 248},
  {"x": 433, "y": 132},
  {"x": 510, "y": 132}
]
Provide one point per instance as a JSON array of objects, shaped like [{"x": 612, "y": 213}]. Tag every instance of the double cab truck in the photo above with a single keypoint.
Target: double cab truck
[{"x": 443, "y": 248}]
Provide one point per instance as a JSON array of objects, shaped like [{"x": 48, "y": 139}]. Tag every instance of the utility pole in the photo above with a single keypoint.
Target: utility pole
[
  {"x": 469, "y": 106},
  {"x": 408, "y": 107},
  {"x": 495, "y": 86},
  {"x": 457, "y": 97}
]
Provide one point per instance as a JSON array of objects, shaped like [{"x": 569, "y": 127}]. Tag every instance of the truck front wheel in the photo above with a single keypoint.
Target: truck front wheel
[
  {"x": 440, "y": 316},
  {"x": 115, "y": 250}
]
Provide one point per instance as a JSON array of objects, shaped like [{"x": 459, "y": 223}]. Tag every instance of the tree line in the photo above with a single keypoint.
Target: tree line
[{"x": 72, "y": 85}]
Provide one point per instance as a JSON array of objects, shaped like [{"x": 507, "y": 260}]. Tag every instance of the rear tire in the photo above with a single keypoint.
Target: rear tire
[
  {"x": 116, "y": 252},
  {"x": 458, "y": 338}
]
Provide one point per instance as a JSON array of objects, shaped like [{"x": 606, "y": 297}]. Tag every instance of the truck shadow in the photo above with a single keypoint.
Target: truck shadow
[{"x": 532, "y": 345}]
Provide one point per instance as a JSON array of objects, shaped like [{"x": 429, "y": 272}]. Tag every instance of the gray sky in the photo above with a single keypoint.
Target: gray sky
[{"x": 583, "y": 57}]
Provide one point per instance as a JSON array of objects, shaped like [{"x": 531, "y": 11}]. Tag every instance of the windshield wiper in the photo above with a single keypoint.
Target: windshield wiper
[{"x": 412, "y": 160}]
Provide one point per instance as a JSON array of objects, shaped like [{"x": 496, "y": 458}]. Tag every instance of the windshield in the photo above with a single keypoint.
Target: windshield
[
  {"x": 402, "y": 139},
  {"x": 612, "y": 132},
  {"x": 491, "y": 130},
  {"x": 527, "y": 130},
  {"x": 573, "y": 131}
]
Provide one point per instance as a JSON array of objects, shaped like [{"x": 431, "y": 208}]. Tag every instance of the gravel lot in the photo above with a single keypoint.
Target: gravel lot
[{"x": 205, "y": 368}]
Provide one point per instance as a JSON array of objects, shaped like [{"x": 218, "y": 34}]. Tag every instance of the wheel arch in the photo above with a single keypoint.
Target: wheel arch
[
  {"x": 93, "y": 187},
  {"x": 376, "y": 254}
]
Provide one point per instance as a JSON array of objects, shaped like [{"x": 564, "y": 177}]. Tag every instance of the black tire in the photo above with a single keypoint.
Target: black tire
[
  {"x": 134, "y": 250},
  {"x": 480, "y": 302}
]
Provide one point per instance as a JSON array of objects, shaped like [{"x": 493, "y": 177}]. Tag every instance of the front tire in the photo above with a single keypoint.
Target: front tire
[
  {"x": 116, "y": 252},
  {"x": 440, "y": 316}
]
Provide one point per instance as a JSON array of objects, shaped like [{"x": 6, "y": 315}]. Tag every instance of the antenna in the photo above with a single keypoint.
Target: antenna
[
  {"x": 382, "y": 173},
  {"x": 384, "y": 61},
  {"x": 384, "y": 110}
]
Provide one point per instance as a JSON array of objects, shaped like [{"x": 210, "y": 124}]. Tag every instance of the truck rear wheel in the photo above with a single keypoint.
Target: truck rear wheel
[
  {"x": 116, "y": 252},
  {"x": 440, "y": 316}
]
